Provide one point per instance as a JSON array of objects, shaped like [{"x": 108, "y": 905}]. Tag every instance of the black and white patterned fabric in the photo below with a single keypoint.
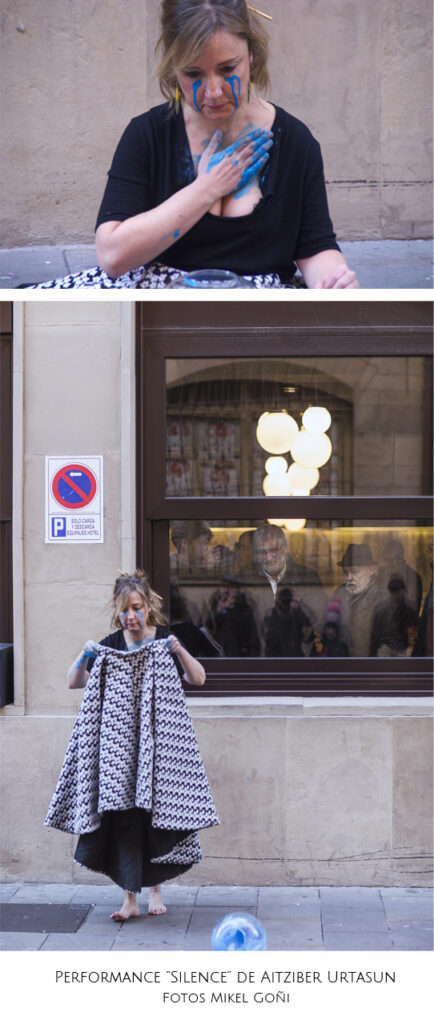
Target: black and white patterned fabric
[
  {"x": 154, "y": 275},
  {"x": 133, "y": 745}
]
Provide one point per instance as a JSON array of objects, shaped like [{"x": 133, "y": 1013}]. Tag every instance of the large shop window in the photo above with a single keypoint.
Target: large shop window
[{"x": 283, "y": 509}]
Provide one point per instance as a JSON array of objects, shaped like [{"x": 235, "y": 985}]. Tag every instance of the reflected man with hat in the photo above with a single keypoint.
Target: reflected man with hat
[{"x": 360, "y": 597}]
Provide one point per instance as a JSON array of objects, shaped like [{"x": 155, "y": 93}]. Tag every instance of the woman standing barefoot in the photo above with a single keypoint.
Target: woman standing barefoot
[{"x": 142, "y": 711}]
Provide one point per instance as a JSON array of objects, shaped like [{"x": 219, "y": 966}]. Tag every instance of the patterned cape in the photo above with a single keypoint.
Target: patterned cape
[{"x": 133, "y": 745}]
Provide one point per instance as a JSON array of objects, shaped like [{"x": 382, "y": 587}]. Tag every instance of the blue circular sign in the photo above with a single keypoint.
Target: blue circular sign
[{"x": 74, "y": 486}]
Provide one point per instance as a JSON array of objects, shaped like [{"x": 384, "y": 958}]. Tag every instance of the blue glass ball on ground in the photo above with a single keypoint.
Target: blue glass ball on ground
[{"x": 239, "y": 932}]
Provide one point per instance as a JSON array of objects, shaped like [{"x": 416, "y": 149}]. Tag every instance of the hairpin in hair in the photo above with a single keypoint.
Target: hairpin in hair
[{"x": 261, "y": 13}]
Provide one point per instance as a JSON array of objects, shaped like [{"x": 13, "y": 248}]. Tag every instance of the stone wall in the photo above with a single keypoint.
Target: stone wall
[
  {"x": 308, "y": 793},
  {"x": 73, "y": 75}
]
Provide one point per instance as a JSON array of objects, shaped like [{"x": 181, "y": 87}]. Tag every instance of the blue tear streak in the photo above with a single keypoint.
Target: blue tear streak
[
  {"x": 138, "y": 613},
  {"x": 232, "y": 80},
  {"x": 196, "y": 86}
]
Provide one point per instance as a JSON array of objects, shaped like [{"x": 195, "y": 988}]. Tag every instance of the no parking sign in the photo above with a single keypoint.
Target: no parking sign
[{"x": 74, "y": 500}]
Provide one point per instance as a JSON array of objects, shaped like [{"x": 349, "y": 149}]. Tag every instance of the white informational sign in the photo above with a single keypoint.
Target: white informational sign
[{"x": 74, "y": 500}]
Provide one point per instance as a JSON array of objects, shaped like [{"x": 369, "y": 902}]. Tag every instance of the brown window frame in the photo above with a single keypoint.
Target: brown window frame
[
  {"x": 6, "y": 614},
  {"x": 246, "y": 330}
]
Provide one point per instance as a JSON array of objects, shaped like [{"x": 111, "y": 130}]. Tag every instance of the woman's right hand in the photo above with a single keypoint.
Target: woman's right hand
[
  {"x": 90, "y": 648},
  {"x": 78, "y": 675},
  {"x": 231, "y": 168}
]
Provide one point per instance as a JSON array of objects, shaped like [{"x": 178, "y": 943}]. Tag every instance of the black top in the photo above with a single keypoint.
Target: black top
[
  {"x": 234, "y": 628},
  {"x": 117, "y": 643},
  {"x": 153, "y": 161}
]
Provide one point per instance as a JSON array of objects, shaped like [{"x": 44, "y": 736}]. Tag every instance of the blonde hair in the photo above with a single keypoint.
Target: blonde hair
[
  {"x": 124, "y": 586},
  {"x": 187, "y": 26}
]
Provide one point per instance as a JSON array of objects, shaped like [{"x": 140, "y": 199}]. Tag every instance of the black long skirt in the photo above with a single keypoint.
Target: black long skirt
[{"x": 124, "y": 845}]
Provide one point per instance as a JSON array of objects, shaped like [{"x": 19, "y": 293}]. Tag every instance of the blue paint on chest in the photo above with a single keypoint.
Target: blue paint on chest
[
  {"x": 234, "y": 81},
  {"x": 243, "y": 189},
  {"x": 196, "y": 86}
]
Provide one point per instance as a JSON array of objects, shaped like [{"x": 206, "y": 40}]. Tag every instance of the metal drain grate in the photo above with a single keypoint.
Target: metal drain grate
[{"x": 42, "y": 917}]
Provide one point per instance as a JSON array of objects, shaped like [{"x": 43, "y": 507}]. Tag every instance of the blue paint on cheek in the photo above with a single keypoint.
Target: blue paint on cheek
[
  {"x": 196, "y": 86},
  {"x": 235, "y": 81},
  {"x": 176, "y": 233}
]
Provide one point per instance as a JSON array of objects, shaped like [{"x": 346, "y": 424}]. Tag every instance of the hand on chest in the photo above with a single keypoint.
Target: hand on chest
[{"x": 247, "y": 194}]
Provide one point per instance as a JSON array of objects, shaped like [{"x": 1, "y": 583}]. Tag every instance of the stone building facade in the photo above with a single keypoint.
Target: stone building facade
[{"x": 311, "y": 788}]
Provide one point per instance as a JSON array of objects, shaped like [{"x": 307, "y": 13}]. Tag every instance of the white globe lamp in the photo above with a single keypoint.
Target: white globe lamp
[
  {"x": 294, "y": 525},
  {"x": 302, "y": 478},
  {"x": 276, "y": 432},
  {"x": 316, "y": 419},
  {"x": 277, "y": 486},
  {"x": 311, "y": 450},
  {"x": 276, "y": 465}
]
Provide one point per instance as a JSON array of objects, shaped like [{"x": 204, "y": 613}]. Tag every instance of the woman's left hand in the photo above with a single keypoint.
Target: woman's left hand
[
  {"x": 173, "y": 645},
  {"x": 340, "y": 277},
  {"x": 194, "y": 672},
  {"x": 327, "y": 269}
]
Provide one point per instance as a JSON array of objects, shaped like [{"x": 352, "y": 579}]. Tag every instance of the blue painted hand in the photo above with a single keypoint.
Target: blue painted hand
[
  {"x": 89, "y": 650},
  {"x": 234, "y": 167},
  {"x": 172, "y": 643},
  {"x": 259, "y": 139},
  {"x": 259, "y": 160}
]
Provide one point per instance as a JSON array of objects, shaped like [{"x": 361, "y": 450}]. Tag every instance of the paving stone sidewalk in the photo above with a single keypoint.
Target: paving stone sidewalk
[
  {"x": 295, "y": 918},
  {"x": 378, "y": 264}
]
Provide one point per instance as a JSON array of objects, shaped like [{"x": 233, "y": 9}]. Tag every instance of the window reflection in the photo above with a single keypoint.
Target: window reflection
[
  {"x": 324, "y": 590},
  {"x": 372, "y": 436}
]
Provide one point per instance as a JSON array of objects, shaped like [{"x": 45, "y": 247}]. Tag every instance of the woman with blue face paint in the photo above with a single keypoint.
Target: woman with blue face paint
[
  {"x": 217, "y": 177},
  {"x": 138, "y": 616}
]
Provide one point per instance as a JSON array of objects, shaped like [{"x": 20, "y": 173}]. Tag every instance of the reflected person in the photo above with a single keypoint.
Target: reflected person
[
  {"x": 278, "y": 568},
  {"x": 394, "y": 625},
  {"x": 360, "y": 596},
  {"x": 195, "y": 638},
  {"x": 243, "y": 554},
  {"x": 329, "y": 644},
  {"x": 231, "y": 621},
  {"x": 285, "y": 627},
  {"x": 394, "y": 564},
  {"x": 191, "y": 541}
]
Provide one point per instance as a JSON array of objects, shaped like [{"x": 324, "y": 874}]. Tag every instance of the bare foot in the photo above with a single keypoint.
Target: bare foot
[
  {"x": 128, "y": 909},
  {"x": 156, "y": 905}
]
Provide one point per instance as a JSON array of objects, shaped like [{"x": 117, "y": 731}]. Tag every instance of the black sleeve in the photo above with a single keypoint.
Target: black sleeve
[
  {"x": 128, "y": 190},
  {"x": 316, "y": 230}
]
